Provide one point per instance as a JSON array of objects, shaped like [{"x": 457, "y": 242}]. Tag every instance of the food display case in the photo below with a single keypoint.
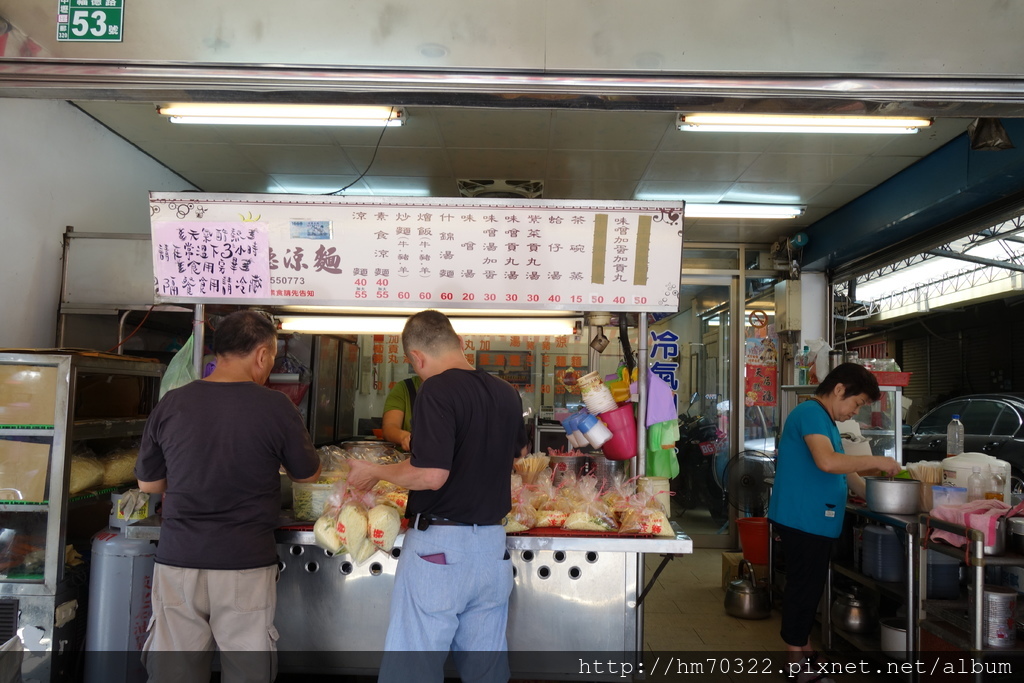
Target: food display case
[
  {"x": 881, "y": 422},
  {"x": 49, "y": 403}
]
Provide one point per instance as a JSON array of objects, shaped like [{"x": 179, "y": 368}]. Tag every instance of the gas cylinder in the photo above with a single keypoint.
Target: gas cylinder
[{"x": 120, "y": 586}]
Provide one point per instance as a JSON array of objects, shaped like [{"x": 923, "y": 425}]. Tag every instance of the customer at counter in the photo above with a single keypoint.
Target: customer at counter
[
  {"x": 809, "y": 495},
  {"x": 214, "y": 447},
  {"x": 454, "y": 575},
  {"x": 396, "y": 422}
]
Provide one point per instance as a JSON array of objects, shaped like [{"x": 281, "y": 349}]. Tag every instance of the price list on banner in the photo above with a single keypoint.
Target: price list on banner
[
  {"x": 396, "y": 252},
  {"x": 90, "y": 20}
]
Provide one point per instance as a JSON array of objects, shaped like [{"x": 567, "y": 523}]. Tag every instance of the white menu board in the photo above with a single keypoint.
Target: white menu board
[{"x": 402, "y": 252}]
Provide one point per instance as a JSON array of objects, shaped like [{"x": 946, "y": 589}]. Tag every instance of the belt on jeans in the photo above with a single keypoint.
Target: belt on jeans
[{"x": 424, "y": 521}]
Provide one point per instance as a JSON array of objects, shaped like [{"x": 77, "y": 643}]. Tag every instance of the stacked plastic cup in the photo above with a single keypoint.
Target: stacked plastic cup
[{"x": 596, "y": 396}]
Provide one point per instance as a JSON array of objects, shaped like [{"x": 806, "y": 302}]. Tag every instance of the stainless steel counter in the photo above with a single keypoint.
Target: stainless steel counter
[{"x": 571, "y": 594}]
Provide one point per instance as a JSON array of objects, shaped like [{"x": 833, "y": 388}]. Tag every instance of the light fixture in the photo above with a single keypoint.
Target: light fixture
[
  {"x": 284, "y": 114},
  {"x": 769, "y": 211},
  {"x": 777, "y": 123},
  {"x": 540, "y": 327}
]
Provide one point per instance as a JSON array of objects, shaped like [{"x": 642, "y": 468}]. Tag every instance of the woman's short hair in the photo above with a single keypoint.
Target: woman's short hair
[
  {"x": 856, "y": 380},
  {"x": 242, "y": 332},
  {"x": 430, "y": 332}
]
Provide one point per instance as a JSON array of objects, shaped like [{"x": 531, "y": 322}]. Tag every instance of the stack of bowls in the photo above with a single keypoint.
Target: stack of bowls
[{"x": 596, "y": 396}]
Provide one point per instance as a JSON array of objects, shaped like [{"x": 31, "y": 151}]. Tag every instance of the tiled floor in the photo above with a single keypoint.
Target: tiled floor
[{"x": 685, "y": 613}]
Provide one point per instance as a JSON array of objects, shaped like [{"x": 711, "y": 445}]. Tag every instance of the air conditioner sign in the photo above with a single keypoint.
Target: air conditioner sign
[{"x": 90, "y": 20}]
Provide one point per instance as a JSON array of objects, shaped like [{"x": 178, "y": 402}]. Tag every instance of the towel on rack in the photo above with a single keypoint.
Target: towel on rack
[{"x": 979, "y": 514}]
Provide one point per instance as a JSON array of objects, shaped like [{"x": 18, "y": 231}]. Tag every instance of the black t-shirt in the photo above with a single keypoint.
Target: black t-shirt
[
  {"x": 220, "y": 445},
  {"x": 469, "y": 423}
]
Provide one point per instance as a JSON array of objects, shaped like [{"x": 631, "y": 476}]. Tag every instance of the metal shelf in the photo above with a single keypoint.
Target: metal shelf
[
  {"x": 26, "y": 431},
  {"x": 99, "y": 429},
  {"x": 897, "y": 589}
]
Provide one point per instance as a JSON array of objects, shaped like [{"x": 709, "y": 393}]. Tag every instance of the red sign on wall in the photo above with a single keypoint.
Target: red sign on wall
[{"x": 761, "y": 385}]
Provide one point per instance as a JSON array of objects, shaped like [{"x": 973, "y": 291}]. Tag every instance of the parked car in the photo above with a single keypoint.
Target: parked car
[{"x": 993, "y": 424}]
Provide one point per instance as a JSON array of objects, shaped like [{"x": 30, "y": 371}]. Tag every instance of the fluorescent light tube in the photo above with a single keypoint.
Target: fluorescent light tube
[
  {"x": 777, "y": 123},
  {"x": 283, "y": 114},
  {"x": 767, "y": 211},
  {"x": 551, "y": 327}
]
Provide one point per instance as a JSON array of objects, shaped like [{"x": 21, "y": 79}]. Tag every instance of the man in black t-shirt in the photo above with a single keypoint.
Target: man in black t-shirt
[
  {"x": 454, "y": 576},
  {"x": 214, "y": 448}
]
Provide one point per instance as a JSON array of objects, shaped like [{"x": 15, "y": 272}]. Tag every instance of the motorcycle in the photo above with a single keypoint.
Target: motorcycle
[{"x": 697, "y": 485}]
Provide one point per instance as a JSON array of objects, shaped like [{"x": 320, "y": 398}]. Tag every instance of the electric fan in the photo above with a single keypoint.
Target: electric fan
[{"x": 747, "y": 482}]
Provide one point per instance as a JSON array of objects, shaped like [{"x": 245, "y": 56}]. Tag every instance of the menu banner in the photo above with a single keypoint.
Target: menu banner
[{"x": 402, "y": 252}]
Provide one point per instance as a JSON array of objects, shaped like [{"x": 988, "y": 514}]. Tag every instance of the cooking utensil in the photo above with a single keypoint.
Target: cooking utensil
[
  {"x": 893, "y": 496},
  {"x": 894, "y": 637},
  {"x": 851, "y": 613},
  {"x": 744, "y": 599}
]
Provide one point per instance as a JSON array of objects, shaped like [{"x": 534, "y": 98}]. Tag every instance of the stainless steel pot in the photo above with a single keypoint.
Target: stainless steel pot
[
  {"x": 998, "y": 544},
  {"x": 852, "y": 614},
  {"x": 746, "y": 600},
  {"x": 380, "y": 452},
  {"x": 1016, "y": 534},
  {"x": 893, "y": 496}
]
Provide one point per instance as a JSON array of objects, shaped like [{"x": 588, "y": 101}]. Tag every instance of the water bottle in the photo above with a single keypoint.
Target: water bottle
[
  {"x": 802, "y": 362},
  {"x": 975, "y": 485},
  {"x": 954, "y": 437}
]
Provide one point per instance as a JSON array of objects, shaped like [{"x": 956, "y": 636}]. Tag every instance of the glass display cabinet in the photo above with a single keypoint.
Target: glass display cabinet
[
  {"x": 51, "y": 404},
  {"x": 881, "y": 422}
]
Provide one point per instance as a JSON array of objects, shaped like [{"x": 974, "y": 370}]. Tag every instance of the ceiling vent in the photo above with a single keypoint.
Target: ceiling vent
[{"x": 505, "y": 189}]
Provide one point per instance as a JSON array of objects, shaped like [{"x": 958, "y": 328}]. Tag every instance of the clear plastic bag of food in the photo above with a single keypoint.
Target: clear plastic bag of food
[
  {"x": 644, "y": 516},
  {"x": 592, "y": 514},
  {"x": 617, "y": 495},
  {"x": 522, "y": 516}
]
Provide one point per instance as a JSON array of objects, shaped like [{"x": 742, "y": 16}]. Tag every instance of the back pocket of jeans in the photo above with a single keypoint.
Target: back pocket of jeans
[{"x": 253, "y": 589}]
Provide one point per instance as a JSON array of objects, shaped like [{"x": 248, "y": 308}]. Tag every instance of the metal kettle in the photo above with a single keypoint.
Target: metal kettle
[
  {"x": 746, "y": 600},
  {"x": 851, "y": 613}
]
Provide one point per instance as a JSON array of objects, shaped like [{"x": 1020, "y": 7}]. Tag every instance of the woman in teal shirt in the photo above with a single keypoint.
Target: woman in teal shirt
[{"x": 809, "y": 496}]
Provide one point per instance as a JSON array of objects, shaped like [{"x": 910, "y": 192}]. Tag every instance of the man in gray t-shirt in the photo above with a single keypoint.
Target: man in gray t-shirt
[{"x": 214, "y": 448}]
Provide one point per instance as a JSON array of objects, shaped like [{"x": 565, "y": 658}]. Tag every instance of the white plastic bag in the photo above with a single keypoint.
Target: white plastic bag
[
  {"x": 818, "y": 356},
  {"x": 180, "y": 371}
]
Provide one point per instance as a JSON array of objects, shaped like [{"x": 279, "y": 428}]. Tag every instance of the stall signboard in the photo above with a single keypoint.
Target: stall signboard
[
  {"x": 90, "y": 21},
  {"x": 398, "y": 252}
]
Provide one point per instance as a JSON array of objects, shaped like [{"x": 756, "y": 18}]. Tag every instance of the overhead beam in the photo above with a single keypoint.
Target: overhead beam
[
  {"x": 1008, "y": 265},
  {"x": 954, "y": 189}
]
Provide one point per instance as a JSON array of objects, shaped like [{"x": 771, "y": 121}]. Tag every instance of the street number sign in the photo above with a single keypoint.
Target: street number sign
[{"x": 90, "y": 20}]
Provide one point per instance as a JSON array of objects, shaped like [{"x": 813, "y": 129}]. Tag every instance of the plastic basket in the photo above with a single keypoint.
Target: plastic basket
[
  {"x": 295, "y": 391},
  {"x": 892, "y": 379}
]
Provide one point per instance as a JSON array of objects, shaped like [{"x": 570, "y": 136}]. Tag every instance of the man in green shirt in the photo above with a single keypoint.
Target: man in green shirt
[{"x": 397, "y": 420}]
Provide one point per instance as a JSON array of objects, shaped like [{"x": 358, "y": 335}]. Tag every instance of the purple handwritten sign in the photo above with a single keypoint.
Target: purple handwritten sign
[{"x": 211, "y": 260}]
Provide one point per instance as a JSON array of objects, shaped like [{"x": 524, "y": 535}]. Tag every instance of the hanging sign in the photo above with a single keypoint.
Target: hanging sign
[
  {"x": 397, "y": 252},
  {"x": 90, "y": 20}
]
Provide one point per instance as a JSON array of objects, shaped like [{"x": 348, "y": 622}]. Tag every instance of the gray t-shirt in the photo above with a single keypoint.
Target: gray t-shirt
[{"x": 220, "y": 446}]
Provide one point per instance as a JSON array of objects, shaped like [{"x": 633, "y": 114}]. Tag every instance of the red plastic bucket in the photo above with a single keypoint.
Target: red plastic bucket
[
  {"x": 622, "y": 424},
  {"x": 754, "y": 539}
]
